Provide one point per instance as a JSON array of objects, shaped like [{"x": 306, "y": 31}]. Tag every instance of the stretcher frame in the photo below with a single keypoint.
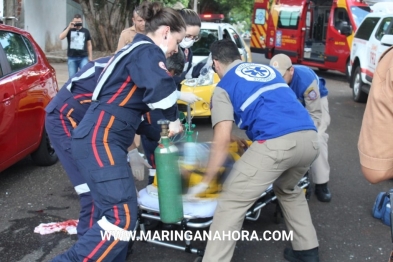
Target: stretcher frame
[{"x": 188, "y": 222}]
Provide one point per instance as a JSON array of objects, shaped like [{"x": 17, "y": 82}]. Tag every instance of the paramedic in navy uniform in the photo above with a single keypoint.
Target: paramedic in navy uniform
[
  {"x": 134, "y": 82},
  {"x": 63, "y": 114},
  {"x": 285, "y": 143}
]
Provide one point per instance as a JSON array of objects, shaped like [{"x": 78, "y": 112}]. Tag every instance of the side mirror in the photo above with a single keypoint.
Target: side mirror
[
  {"x": 387, "y": 40},
  {"x": 345, "y": 28}
]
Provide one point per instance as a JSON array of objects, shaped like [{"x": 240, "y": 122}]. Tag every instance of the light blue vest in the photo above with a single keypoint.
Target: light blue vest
[{"x": 264, "y": 105}]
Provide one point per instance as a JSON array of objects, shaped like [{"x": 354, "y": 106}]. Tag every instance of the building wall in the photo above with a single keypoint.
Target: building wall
[
  {"x": 46, "y": 19},
  {"x": 1, "y": 9}
]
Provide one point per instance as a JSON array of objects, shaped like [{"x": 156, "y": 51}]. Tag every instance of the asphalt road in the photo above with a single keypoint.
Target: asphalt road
[{"x": 30, "y": 195}]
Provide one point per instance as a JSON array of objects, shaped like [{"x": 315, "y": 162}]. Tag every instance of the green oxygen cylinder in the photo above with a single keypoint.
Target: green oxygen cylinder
[{"x": 168, "y": 178}]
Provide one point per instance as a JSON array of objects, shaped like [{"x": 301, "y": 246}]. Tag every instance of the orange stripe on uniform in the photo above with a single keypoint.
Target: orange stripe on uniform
[
  {"x": 116, "y": 214},
  {"x": 73, "y": 123},
  {"x": 128, "y": 217},
  {"x": 119, "y": 90},
  {"x": 94, "y": 137},
  {"x": 107, "y": 250},
  {"x": 128, "y": 96},
  {"x": 105, "y": 140},
  {"x": 148, "y": 117}
]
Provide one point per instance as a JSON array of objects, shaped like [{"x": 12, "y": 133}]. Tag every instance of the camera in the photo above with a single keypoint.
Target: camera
[{"x": 77, "y": 24}]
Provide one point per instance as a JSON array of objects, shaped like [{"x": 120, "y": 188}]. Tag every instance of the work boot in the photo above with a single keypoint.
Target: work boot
[
  {"x": 310, "y": 255},
  {"x": 323, "y": 193}
]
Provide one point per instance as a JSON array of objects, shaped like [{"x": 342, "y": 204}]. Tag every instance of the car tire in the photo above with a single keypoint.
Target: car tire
[
  {"x": 347, "y": 71},
  {"x": 358, "y": 95},
  {"x": 45, "y": 155}
]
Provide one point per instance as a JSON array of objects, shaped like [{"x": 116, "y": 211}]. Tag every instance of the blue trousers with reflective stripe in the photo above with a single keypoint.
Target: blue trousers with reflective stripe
[
  {"x": 99, "y": 146},
  {"x": 61, "y": 142}
]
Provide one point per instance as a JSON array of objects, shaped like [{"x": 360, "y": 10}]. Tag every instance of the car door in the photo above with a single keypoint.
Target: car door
[
  {"x": 8, "y": 105},
  {"x": 385, "y": 28},
  {"x": 29, "y": 93}
]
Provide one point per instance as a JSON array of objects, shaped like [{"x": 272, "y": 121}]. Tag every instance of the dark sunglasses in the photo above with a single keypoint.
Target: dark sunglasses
[{"x": 214, "y": 67}]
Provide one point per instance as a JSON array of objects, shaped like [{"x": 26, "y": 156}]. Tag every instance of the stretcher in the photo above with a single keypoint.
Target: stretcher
[{"x": 198, "y": 215}]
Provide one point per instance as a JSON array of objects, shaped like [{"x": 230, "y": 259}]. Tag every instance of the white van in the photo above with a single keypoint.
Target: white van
[{"x": 372, "y": 38}]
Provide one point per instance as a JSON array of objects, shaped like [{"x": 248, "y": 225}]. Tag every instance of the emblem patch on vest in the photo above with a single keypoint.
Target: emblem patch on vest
[
  {"x": 255, "y": 72},
  {"x": 312, "y": 95}
]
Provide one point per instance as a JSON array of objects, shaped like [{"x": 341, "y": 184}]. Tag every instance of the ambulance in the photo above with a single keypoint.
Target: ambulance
[
  {"x": 313, "y": 33},
  {"x": 373, "y": 37}
]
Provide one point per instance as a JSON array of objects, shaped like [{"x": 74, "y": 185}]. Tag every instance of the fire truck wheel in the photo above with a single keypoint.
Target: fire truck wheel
[{"x": 358, "y": 94}]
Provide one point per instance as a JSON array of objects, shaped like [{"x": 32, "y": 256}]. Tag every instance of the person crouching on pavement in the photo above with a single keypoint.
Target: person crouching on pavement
[{"x": 312, "y": 93}]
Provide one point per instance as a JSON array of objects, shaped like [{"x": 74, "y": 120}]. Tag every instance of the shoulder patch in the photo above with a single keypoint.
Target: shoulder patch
[
  {"x": 162, "y": 65},
  {"x": 312, "y": 95},
  {"x": 255, "y": 72}
]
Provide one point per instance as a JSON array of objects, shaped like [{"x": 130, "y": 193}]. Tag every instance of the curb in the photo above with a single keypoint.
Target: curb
[{"x": 56, "y": 59}]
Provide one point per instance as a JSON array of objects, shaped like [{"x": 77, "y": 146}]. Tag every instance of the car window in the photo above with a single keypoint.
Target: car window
[
  {"x": 340, "y": 15},
  {"x": 31, "y": 49},
  {"x": 17, "y": 53},
  {"x": 202, "y": 47},
  {"x": 288, "y": 19},
  {"x": 383, "y": 27},
  {"x": 359, "y": 13},
  {"x": 260, "y": 16},
  {"x": 236, "y": 37},
  {"x": 366, "y": 28}
]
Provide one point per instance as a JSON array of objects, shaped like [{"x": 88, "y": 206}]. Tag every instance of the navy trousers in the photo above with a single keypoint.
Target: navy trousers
[
  {"x": 58, "y": 128},
  {"x": 99, "y": 146}
]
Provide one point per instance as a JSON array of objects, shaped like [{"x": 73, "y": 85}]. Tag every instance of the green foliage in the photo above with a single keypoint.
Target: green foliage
[{"x": 235, "y": 11}]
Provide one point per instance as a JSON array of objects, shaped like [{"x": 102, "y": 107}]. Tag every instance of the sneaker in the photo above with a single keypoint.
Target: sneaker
[
  {"x": 323, "y": 193},
  {"x": 310, "y": 255}
]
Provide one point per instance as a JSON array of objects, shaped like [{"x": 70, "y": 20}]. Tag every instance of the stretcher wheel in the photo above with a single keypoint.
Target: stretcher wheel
[
  {"x": 278, "y": 213},
  {"x": 308, "y": 193},
  {"x": 198, "y": 259},
  {"x": 150, "y": 224}
]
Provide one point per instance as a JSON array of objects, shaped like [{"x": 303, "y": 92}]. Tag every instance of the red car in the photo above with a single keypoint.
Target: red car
[{"x": 27, "y": 84}]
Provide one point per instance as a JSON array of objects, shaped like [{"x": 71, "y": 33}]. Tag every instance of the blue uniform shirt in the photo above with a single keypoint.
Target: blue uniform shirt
[{"x": 301, "y": 84}]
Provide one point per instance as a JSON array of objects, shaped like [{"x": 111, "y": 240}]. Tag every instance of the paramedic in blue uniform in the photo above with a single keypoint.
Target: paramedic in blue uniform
[
  {"x": 285, "y": 143},
  {"x": 134, "y": 82},
  {"x": 63, "y": 114},
  {"x": 312, "y": 93},
  {"x": 193, "y": 27}
]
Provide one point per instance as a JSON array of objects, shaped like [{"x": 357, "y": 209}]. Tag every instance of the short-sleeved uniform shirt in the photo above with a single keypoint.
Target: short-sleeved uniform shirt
[{"x": 375, "y": 141}]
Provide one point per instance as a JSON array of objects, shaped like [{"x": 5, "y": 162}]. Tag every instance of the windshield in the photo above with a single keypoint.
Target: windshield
[
  {"x": 202, "y": 47},
  {"x": 358, "y": 13}
]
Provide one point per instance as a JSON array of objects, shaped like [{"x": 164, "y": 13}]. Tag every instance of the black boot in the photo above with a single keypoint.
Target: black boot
[
  {"x": 310, "y": 255},
  {"x": 323, "y": 193}
]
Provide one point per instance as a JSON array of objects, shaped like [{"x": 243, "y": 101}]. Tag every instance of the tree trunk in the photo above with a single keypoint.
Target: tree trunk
[{"x": 106, "y": 20}]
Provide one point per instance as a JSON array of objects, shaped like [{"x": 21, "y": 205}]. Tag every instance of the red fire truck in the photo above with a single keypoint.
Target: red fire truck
[{"x": 315, "y": 33}]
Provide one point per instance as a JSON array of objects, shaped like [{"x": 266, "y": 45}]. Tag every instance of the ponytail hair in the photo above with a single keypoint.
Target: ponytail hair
[
  {"x": 191, "y": 18},
  {"x": 155, "y": 15}
]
